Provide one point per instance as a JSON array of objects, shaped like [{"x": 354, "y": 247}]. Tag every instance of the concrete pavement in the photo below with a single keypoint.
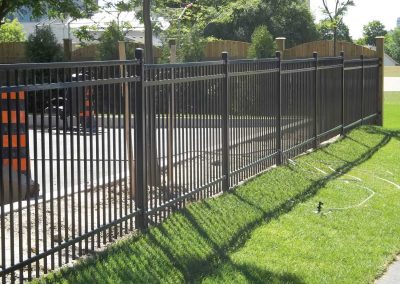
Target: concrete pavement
[
  {"x": 392, "y": 275},
  {"x": 392, "y": 84}
]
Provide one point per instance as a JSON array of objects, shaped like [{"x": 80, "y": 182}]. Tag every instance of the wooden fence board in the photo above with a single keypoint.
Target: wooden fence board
[
  {"x": 325, "y": 49},
  {"x": 12, "y": 52},
  {"x": 236, "y": 49}
]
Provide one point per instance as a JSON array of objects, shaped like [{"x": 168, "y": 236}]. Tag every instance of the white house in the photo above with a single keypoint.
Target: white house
[{"x": 65, "y": 29}]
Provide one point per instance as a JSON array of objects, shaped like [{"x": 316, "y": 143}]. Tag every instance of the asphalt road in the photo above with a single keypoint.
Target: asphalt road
[{"x": 59, "y": 168}]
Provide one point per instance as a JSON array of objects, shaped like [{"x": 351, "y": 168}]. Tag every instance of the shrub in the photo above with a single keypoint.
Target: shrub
[
  {"x": 191, "y": 46},
  {"x": 43, "y": 47},
  {"x": 108, "y": 42},
  {"x": 262, "y": 43},
  {"x": 392, "y": 44},
  {"x": 12, "y": 31}
]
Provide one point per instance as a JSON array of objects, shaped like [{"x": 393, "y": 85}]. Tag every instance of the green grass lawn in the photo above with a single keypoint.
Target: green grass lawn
[
  {"x": 266, "y": 231},
  {"x": 392, "y": 110},
  {"x": 392, "y": 71},
  {"x": 349, "y": 245}
]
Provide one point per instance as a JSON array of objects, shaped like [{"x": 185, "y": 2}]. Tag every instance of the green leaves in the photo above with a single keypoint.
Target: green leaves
[
  {"x": 51, "y": 8},
  {"x": 393, "y": 44},
  {"x": 84, "y": 34},
  {"x": 372, "y": 30},
  {"x": 108, "y": 42},
  {"x": 238, "y": 20},
  {"x": 262, "y": 43},
  {"x": 333, "y": 24},
  {"x": 12, "y": 31},
  {"x": 43, "y": 47},
  {"x": 326, "y": 30}
]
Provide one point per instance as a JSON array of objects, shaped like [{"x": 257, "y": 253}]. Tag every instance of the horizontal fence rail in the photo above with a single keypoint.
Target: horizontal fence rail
[{"x": 91, "y": 151}]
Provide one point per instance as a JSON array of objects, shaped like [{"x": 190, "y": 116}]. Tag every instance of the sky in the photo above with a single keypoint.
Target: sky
[{"x": 364, "y": 11}]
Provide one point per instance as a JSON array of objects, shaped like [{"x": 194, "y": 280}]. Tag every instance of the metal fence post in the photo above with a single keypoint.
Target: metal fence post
[
  {"x": 140, "y": 174},
  {"x": 343, "y": 102},
  {"x": 362, "y": 88},
  {"x": 225, "y": 125},
  {"x": 315, "y": 55},
  {"x": 380, "y": 50},
  {"x": 279, "y": 112}
]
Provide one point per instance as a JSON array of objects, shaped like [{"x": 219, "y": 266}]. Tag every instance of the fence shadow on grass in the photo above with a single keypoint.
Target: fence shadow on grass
[{"x": 197, "y": 240}]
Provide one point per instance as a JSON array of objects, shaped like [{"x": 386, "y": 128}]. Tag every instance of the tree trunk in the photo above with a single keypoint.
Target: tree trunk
[
  {"x": 334, "y": 40},
  {"x": 153, "y": 168},
  {"x": 148, "y": 34}
]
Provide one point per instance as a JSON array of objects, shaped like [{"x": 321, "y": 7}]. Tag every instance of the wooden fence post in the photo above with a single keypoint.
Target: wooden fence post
[
  {"x": 172, "y": 51},
  {"x": 380, "y": 49},
  {"x": 67, "y": 49},
  {"x": 281, "y": 45}
]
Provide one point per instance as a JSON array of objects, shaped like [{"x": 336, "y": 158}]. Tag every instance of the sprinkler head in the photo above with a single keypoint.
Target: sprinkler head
[{"x": 319, "y": 207}]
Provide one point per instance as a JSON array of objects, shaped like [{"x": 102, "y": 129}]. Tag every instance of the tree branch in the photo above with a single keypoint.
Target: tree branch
[
  {"x": 327, "y": 11},
  {"x": 4, "y": 9},
  {"x": 336, "y": 8}
]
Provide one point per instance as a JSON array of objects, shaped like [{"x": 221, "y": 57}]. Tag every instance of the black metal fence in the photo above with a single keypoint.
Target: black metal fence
[{"x": 94, "y": 150}]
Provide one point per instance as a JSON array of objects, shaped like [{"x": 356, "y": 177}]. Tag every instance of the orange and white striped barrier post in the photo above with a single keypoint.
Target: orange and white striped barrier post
[
  {"x": 87, "y": 113},
  {"x": 16, "y": 177}
]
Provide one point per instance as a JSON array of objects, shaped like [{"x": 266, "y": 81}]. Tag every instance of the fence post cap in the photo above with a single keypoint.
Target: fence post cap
[
  {"x": 224, "y": 55},
  {"x": 315, "y": 54},
  {"x": 172, "y": 41},
  {"x": 342, "y": 53}
]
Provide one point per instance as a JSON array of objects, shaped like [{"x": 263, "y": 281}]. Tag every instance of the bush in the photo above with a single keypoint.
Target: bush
[
  {"x": 392, "y": 44},
  {"x": 325, "y": 30},
  {"x": 372, "y": 30},
  {"x": 108, "y": 47},
  {"x": 262, "y": 43},
  {"x": 43, "y": 47},
  {"x": 12, "y": 31},
  {"x": 191, "y": 46}
]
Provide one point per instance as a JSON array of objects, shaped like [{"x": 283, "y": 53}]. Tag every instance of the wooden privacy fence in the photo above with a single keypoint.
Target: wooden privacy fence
[
  {"x": 85, "y": 53},
  {"x": 12, "y": 52},
  {"x": 325, "y": 48},
  {"x": 15, "y": 52},
  {"x": 236, "y": 49},
  {"x": 91, "y": 52}
]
